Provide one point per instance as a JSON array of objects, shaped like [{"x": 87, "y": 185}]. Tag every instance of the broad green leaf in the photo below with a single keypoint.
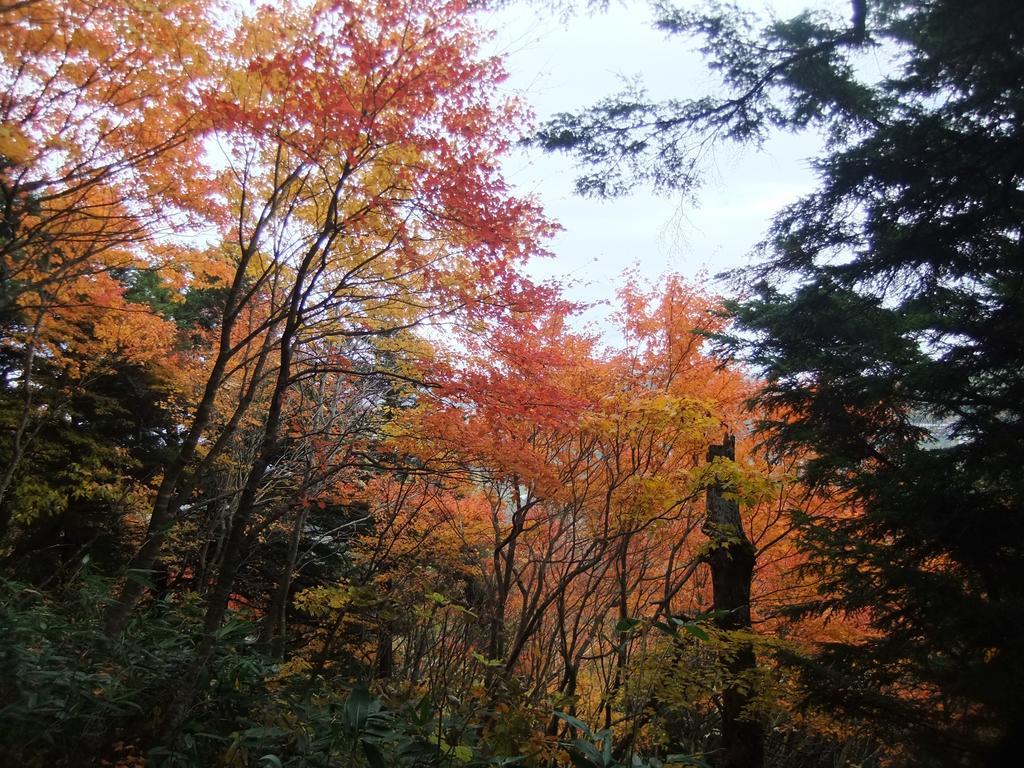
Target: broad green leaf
[
  {"x": 627, "y": 624},
  {"x": 357, "y": 708},
  {"x": 373, "y": 755},
  {"x": 696, "y": 631},
  {"x": 575, "y": 722}
]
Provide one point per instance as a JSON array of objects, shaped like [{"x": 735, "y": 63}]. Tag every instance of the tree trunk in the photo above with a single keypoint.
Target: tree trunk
[
  {"x": 385, "y": 651},
  {"x": 177, "y": 481},
  {"x": 239, "y": 537},
  {"x": 731, "y": 559},
  {"x": 173, "y": 487},
  {"x": 274, "y": 624}
]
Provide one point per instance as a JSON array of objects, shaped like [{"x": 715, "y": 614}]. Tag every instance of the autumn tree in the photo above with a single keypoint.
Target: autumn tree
[
  {"x": 884, "y": 319},
  {"x": 88, "y": 139},
  {"x": 269, "y": 358},
  {"x": 372, "y": 207},
  {"x": 592, "y": 466}
]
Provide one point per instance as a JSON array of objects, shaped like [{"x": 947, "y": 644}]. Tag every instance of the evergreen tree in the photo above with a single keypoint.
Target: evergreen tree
[{"x": 887, "y": 319}]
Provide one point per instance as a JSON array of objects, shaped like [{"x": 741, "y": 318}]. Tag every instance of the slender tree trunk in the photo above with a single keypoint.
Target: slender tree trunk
[
  {"x": 504, "y": 566},
  {"x": 567, "y": 687},
  {"x": 19, "y": 441},
  {"x": 217, "y": 606},
  {"x": 164, "y": 508},
  {"x": 177, "y": 481},
  {"x": 274, "y": 624},
  {"x": 320, "y": 662},
  {"x": 239, "y": 537},
  {"x": 622, "y": 649},
  {"x": 731, "y": 558},
  {"x": 385, "y": 651},
  {"x": 234, "y": 551}
]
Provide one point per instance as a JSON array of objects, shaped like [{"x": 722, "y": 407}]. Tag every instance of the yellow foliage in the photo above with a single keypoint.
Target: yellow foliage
[{"x": 14, "y": 145}]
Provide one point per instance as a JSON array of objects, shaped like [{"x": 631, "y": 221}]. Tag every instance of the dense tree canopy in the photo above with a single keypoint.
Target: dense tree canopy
[
  {"x": 299, "y": 467},
  {"x": 885, "y": 319}
]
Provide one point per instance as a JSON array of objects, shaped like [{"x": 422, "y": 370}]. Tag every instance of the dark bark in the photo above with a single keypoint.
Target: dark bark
[
  {"x": 731, "y": 559},
  {"x": 237, "y": 545},
  {"x": 385, "y": 651},
  {"x": 177, "y": 482},
  {"x": 273, "y": 631}
]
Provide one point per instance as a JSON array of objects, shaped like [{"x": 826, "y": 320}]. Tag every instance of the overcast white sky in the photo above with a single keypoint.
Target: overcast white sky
[{"x": 564, "y": 65}]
